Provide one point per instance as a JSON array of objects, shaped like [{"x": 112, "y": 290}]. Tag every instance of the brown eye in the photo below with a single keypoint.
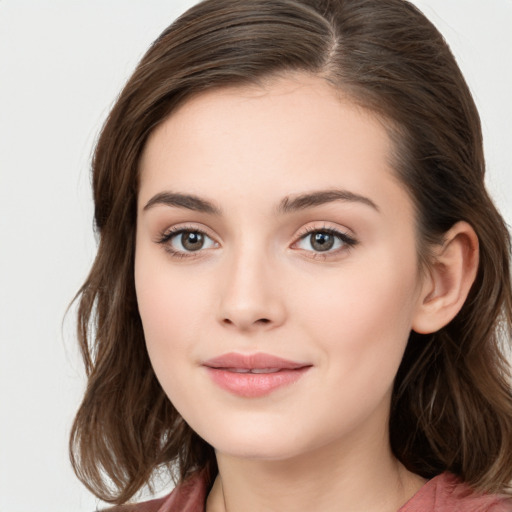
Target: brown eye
[
  {"x": 325, "y": 240},
  {"x": 322, "y": 241},
  {"x": 192, "y": 240},
  {"x": 186, "y": 241}
]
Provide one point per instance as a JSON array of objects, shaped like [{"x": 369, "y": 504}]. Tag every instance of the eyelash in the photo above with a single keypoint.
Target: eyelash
[
  {"x": 166, "y": 237},
  {"x": 347, "y": 241}
]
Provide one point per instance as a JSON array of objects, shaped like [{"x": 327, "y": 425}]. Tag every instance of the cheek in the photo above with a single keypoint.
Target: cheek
[
  {"x": 165, "y": 306},
  {"x": 169, "y": 330},
  {"x": 364, "y": 314}
]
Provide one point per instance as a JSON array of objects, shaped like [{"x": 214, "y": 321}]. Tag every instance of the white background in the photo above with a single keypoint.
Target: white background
[{"x": 62, "y": 62}]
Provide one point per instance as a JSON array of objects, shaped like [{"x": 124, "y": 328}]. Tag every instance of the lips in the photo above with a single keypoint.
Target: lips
[{"x": 253, "y": 375}]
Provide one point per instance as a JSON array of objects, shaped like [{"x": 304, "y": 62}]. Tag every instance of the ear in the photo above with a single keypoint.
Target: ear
[{"x": 449, "y": 279}]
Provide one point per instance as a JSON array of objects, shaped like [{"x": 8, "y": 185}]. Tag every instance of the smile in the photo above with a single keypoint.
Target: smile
[{"x": 254, "y": 375}]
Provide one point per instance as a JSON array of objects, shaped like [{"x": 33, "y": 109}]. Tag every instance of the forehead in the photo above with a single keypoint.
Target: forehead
[{"x": 278, "y": 138}]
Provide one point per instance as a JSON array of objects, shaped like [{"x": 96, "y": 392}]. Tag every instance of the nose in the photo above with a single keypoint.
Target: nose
[{"x": 251, "y": 297}]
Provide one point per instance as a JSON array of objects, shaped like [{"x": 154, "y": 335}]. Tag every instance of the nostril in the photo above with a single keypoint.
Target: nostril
[{"x": 260, "y": 321}]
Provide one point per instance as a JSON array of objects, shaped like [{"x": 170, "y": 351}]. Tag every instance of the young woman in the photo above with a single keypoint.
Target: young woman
[{"x": 302, "y": 297}]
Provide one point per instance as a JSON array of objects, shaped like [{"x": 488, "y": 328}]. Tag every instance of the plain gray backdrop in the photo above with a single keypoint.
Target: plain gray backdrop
[{"x": 62, "y": 63}]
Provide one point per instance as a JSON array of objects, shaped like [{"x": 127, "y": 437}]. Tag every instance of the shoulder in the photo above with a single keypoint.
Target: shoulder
[
  {"x": 446, "y": 493},
  {"x": 146, "y": 506},
  {"x": 189, "y": 496}
]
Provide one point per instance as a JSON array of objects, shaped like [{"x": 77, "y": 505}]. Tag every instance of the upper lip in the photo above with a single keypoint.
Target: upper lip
[{"x": 252, "y": 361}]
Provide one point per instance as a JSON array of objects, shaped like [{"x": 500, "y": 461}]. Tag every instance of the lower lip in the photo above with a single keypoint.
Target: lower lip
[{"x": 252, "y": 385}]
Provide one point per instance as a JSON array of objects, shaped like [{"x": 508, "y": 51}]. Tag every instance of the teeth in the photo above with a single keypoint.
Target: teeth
[{"x": 253, "y": 370}]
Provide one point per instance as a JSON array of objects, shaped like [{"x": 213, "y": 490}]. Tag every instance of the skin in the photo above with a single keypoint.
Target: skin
[{"x": 259, "y": 285}]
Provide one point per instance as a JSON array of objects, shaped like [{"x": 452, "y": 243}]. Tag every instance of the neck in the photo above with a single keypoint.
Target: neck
[{"x": 350, "y": 477}]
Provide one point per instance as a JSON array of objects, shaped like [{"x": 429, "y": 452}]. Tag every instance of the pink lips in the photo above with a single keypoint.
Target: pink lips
[{"x": 253, "y": 375}]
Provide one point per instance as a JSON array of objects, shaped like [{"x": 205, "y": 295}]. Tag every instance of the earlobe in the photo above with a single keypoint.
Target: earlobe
[{"x": 450, "y": 278}]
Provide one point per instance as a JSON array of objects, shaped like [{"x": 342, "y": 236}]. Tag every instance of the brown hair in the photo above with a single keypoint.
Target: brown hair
[{"x": 452, "y": 402}]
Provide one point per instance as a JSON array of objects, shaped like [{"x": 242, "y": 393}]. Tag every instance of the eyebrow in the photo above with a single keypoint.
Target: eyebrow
[
  {"x": 188, "y": 201},
  {"x": 321, "y": 197},
  {"x": 287, "y": 205}
]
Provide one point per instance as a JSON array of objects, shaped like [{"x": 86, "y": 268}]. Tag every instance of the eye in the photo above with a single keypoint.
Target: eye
[
  {"x": 324, "y": 240},
  {"x": 184, "y": 241}
]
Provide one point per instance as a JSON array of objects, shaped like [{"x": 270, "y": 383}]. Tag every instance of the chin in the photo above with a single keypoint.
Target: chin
[
  {"x": 266, "y": 444},
  {"x": 250, "y": 439}
]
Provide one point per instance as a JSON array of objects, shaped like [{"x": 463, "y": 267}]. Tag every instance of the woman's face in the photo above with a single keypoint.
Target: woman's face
[{"x": 276, "y": 268}]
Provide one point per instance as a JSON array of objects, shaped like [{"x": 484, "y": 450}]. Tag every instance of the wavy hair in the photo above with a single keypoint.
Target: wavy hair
[{"x": 452, "y": 401}]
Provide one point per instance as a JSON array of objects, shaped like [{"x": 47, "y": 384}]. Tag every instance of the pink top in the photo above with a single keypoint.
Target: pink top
[{"x": 444, "y": 493}]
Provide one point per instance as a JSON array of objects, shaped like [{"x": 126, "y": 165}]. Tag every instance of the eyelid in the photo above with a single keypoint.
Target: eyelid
[
  {"x": 184, "y": 226},
  {"x": 343, "y": 234},
  {"x": 165, "y": 236}
]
